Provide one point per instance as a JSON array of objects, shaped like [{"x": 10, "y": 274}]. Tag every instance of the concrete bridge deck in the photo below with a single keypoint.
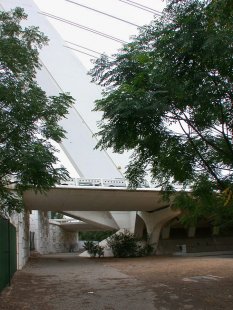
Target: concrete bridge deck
[{"x": 94, "y": 199}]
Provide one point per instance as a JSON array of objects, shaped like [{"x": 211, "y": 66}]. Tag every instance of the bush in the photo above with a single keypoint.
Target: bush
[
  {"x": 126, "y": 245},
  {"x": 93, "y": 249},
  {"x": 145, "y": 250},
  {"x": 123, "y": 244}
]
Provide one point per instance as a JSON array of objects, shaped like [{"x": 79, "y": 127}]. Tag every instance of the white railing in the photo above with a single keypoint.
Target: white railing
[
  {"x": 117, "y": 183},
  {"x": 64, "y": 221},
  {"x": 100, "y": 182}
]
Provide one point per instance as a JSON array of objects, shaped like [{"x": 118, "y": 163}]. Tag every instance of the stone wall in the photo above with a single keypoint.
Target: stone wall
[
  {"x": 21, "y": 222},
  {"x": 61, "y": 240},
  {"x": 50, "y": 238}
]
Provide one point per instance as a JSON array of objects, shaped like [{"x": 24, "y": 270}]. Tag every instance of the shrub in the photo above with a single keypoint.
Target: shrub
[
  {"x": 93, "y": 249},
  {"x": 126, "y": 245},
  {"x": 145, "y": 250},
  {"x": 99, "y": 250},
  {"x": 123, "y": 244}
]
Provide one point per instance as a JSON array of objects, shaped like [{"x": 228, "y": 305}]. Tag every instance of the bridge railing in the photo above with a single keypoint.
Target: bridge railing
[{"x": 101, "y": 182}]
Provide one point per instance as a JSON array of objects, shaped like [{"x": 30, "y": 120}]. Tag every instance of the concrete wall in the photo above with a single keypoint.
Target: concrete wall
[
  {"x": 195, "y": 245},
  {"x": 21, "y": 222},
  {"x": 50, "y": 238}
]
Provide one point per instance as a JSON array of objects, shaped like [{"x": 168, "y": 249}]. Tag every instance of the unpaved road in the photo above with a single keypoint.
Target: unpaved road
[{"x": 65, "y": 281}]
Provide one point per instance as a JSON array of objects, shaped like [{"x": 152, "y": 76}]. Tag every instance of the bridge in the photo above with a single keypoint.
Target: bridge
[
  {"x": 105, "y": 208},
  {"x": 61, "y": 199},
  {"x": 99, "y": 197}
]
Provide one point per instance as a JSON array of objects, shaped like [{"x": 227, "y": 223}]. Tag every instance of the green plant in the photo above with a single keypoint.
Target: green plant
[
  {"x": 99, "y": 250},
  {"x": 56, "y": 215},
  {"x": 167, "y": 96},
  {"x": 95, "y": 235},
  {"x": 125, "y": 244},
  {"x": 145, "y": 250},
  {"x": 29, "y": 119},
  {"x": 93, "y": 249}
]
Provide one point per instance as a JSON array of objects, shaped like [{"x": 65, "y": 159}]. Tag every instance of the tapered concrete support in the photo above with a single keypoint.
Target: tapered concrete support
[
  {"x": 101, "y": 219},
  {"x": 140, "y": 227},
  {"x": 125, "y": 219},
  {"x": 155, "y": 221}
]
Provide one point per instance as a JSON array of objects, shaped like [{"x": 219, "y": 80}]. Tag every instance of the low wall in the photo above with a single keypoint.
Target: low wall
[{"x": 195, "y": 245}]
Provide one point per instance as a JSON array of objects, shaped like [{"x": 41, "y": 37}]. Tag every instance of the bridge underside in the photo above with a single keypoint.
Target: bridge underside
[
  {"x": 95, "y": 199},
  {"x": 79, "y": 226},
  {"x": 106, "y": 209}
]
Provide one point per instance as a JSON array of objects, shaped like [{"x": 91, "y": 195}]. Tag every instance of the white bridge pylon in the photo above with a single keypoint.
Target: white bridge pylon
[{"x": 61, "y": 71}]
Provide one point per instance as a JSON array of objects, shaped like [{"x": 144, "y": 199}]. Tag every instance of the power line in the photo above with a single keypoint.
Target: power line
[
  {"x": 75, "y": 49},
  {"x": 86, "y": 48},
  {"x": 83, "y": 27},
  {"x": 142, "y": 7},
  {"x": 103, "y": 13}
]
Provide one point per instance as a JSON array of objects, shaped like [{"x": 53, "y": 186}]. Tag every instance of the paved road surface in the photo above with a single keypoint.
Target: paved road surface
[{"x": 65, "y": 282}]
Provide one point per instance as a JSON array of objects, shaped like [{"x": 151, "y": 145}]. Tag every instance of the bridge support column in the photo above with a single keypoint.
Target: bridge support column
[{"x": 155, "y": 221}]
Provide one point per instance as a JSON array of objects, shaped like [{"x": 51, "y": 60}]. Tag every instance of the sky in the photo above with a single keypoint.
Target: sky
[{"x": 73, "y": 10}]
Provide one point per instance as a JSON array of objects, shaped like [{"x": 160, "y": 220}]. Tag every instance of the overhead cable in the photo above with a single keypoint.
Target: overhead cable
[
  {"x": 142, "y": 7},
  {"x": 86, "y": 48},
  {"x": 82, "y": 27},
  {"x": 75, "y": 49},
  {"x": 103, "y": 13}
]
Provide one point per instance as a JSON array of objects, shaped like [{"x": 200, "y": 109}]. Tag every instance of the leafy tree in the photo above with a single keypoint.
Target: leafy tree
[
  {"x": 29, "y": 119},
  {"x": 95, "y": 235},
  {"x": 168, "y": 96}
]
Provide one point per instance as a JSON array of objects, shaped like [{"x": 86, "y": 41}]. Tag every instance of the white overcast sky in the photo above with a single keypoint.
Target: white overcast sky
[{"x": 88, "y": 18}]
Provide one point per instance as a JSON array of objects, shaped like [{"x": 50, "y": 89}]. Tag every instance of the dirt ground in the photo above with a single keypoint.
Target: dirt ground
[{"x": 66, "y": 281}]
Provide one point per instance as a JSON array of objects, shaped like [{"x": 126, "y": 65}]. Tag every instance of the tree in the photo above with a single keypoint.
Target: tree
[
  {"x": 29, "y": 119},
  {"x": 168, "y": 96}
]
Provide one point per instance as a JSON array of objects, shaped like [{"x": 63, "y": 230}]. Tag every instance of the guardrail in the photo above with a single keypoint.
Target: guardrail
[
  {"x": 64, "y": 221},
  {"x": 101, "y": 182}
]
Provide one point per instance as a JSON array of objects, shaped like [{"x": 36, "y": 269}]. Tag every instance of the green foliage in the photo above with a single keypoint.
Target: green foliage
[
  {"x": 124, "y": 244},
  {"x": 93, "y": 249},
  {"x": 95, "y": 235},
  {"x": 56, "y": 215},
  {"x": 168, "y": 96},
  {"x": 29, "y": 119},
  {"x": 144, "y": 250},
  {"x": 99, "y": 250}
]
